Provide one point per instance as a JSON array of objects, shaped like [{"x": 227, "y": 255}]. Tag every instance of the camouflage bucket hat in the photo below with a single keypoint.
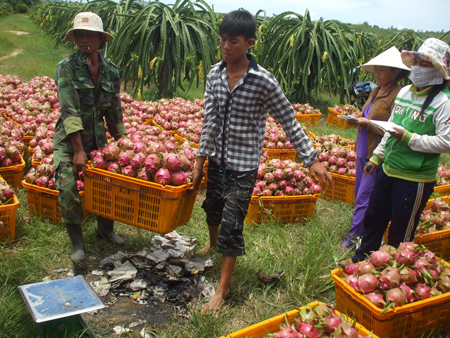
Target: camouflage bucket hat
[
  {"x": 90, "y": 22},
  {"x": 433, "y": 50}
]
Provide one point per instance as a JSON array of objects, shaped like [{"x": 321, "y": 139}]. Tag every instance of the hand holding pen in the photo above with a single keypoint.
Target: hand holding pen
[{"x": 369, "y": 167}]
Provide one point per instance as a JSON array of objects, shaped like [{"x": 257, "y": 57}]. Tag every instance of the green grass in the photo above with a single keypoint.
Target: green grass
[
  {"x": 305, "y": 252},
  {"x": 322, "y": 101},
  {"x": 194, "y": 92},
  {"x": 324, "y": 129},
  {"x": 38, "y": 57}
]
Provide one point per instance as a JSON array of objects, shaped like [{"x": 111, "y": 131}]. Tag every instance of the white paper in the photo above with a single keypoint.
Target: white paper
[
  {"x": 347, "y": 117},
  {"x": 387, "y": 126}
]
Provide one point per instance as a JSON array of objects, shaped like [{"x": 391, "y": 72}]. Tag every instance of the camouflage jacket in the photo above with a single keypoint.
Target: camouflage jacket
[{"x": 83, "y": 106}]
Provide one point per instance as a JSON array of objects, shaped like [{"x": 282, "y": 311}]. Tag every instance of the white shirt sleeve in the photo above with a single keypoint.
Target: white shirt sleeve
[{"x": 439, "y": 143}]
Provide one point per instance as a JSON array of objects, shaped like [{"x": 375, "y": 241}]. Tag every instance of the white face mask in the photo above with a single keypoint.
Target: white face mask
[{"x": 422, "y": 77}]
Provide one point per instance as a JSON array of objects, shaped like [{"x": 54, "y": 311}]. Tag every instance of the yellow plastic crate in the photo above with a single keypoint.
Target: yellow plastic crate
[
  {"x": 8, "y": 217},
  {"x": 418, "y": 319},
  {"x": 13, "y": 175},
  {"x": 284, "y": 209},
  {"x": 343, "y": 189},
  {"x": 10, "y": 119},
  {"x": 310, "y": 134},
  {"x": 442, "y": 189},
  {"x": 439, "y": 241},
  {"x": 181, "y": 140},
  {"x": 351, "y": 146},
  {"x": 139, "y": 203},
  {"x": 281, "y": 154},
  {"x": 27, "y": 138},
  {"x": 308, "y": 119},
  {"x": 272, "y": 325},
  {"x": 43, "y": 202},
  {"x": 171, "y": 132},
  {"x": 334, "y": 120}
]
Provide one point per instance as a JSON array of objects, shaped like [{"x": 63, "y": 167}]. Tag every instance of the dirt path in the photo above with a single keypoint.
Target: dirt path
[
  {"x": 14, "y": 53},
  {"x": 19, "y": 32}
]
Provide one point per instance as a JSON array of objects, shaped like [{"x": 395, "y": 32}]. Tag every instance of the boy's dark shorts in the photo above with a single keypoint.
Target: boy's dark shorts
[{"x": 226, "y": 204}]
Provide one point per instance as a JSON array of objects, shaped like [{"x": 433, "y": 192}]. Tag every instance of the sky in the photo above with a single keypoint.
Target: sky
[{"x": 431, "y": 15}]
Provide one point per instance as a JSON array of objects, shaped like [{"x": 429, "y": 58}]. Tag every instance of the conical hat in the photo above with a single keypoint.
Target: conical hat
[{"x": 389, "y": 58}]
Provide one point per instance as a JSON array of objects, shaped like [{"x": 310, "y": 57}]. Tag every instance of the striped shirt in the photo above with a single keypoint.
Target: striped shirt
[{"x": 244, "y": 112}]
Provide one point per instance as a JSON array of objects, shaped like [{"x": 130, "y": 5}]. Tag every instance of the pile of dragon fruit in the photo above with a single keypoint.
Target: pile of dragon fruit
[
  {"x": 348, "y": 109},
  {"x": 284, "y": 178},
  {"x": 9, "y": 156},
  {"x": 443, "y": 177},
  {"x": 436, "y": 218},
  {"x": 11, "y": 134},
  {"x": 34, "y": 106},
  {"x": 178, "y": 113},
  {"x": 338, "y": 160},
  {"x": 11, "y": 146},
  {"x": 191, "y": 132},
  {"x": 318, "y": 321},
  {"x": 43, "y": 135},
  {"x": 162, "y": 162},
  {"x": 31, "y": 103},
  {"x": 43, "y": 149},
  {"x": 43, "y": 175},
  {"x": 332, "y": 140},
  {"x": 306, "y": 108},
  {"x": 6, "y": 193},
  {"x": 274, "y": 136},
  {"x": 394, "y": 277}
]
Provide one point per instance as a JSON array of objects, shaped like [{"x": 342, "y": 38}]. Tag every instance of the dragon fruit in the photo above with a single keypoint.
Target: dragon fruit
[{"x": 162, "y": 176}]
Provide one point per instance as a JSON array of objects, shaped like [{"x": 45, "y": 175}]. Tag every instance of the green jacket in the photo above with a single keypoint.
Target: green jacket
[
  {"x": 416, "y": 156},
  {"x": 83, "y": 106}
]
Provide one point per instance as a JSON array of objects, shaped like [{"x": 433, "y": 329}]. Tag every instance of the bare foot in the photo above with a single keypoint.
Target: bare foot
[
  {"x": 217, "y": 302},
  {"x": 205, "y": 250}
]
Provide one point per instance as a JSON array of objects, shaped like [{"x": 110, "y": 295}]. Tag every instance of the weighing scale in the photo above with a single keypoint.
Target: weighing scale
[{"x": 56, "y": 306}]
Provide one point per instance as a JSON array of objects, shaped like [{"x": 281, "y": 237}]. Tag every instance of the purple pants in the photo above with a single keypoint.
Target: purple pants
[{"x": 363, "y": 190}]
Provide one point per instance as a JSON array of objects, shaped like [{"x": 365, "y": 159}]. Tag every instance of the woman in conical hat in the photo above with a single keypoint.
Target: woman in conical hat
[{"x": 388, "y": 69}]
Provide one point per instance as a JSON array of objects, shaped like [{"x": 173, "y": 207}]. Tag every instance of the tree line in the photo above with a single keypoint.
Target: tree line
[{"x": 174, "y": 46}]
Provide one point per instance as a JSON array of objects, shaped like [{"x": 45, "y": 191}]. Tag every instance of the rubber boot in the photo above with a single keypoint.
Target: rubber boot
[
  {"x": 76, "y": 237},
  {"x": 105, "y": 229}
]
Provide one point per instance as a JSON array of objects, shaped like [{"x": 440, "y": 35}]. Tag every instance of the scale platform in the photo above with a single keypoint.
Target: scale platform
[{"x": 60, "y": 298}]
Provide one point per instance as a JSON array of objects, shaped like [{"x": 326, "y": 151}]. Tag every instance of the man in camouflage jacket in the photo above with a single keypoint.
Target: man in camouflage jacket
[{"x": 89, "y": 94}]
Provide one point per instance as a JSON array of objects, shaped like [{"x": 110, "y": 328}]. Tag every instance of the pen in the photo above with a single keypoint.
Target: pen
[{"x": 367, "y": 165}]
